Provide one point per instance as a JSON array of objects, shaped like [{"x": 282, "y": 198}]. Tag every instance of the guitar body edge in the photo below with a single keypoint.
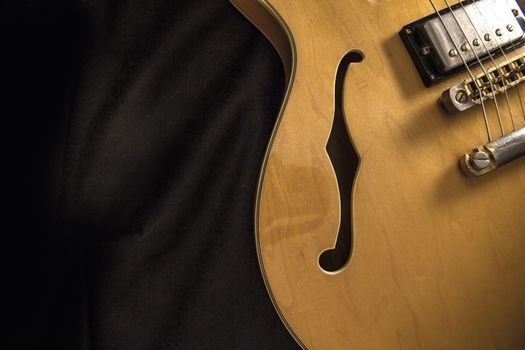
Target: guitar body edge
[{"x": 268, "y": 21}]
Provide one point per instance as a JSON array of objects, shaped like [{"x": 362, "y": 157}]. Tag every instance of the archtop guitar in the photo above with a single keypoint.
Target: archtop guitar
[{"x": 391, "y": 205}]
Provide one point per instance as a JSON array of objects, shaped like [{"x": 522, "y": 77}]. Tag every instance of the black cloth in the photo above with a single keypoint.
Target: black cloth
[{"x": 134, "y": 131}]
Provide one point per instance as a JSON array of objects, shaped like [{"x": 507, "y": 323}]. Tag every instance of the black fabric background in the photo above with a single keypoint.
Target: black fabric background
[{"x": 133, "y": 133}]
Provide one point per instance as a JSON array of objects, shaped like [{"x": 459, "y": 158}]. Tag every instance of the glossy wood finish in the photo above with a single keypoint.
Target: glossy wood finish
[{"x": 439, "y": 258}]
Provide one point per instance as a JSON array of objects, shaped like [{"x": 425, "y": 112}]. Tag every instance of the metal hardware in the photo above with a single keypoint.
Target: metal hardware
[
  {"x": 461, "y": 97},
  {"x": 456, "y": 99},
  {"x": 504, "y": 27},
  {"x": 501, "y": 16},
  {"x": 493, "y": 155},
  {"x": 480, "y": 160},
  {"x": 496, "y": 80}
]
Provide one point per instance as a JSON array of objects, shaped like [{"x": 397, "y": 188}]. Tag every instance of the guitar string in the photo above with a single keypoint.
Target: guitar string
[
  {"x": 514, "y": 50},
  {"x": 505, "y": 85},
  {"x": 494, "y": 96},
  {"x": 483, "y": 107}
]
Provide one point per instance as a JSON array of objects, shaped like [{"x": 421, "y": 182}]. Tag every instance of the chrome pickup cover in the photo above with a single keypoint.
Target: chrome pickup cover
[
  {"x": 474, "y": 29},
  {"x": 483, "y": 27}
]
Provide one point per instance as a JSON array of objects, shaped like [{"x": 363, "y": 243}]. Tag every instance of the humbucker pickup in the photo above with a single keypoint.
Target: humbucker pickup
[{"x": 466, "y": 32}]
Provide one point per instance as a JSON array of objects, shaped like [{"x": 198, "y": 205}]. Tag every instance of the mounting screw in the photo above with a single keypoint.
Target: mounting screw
[
  {"x": 432, "y": 77},
  {"x": 480, "y": 160},
  {"x": 461, "y": 97},
  {"x": 515, "y": 12},
  {"x": 425, "y": 51},
  {"x": 510, "y": 28},
  {"x": 408, "y": 30}
]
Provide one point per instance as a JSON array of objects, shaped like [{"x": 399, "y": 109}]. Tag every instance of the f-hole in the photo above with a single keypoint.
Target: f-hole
[{"x": 345, "y": 161}]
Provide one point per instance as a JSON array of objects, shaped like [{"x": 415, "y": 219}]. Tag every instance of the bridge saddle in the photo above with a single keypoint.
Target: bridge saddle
[{"x": 485, "y": 86}]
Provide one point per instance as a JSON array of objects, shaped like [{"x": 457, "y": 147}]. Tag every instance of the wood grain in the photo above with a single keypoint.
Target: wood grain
[{"x": 438, "y": 258}]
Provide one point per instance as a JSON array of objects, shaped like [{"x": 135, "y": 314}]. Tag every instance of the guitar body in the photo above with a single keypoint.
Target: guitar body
[{"x": 438, "y": 258}]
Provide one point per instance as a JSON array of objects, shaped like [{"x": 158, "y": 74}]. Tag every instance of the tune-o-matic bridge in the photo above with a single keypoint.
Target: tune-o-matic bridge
[
  {"x": 467, "y": 33},
  {"x": 487, "y": 85}
]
